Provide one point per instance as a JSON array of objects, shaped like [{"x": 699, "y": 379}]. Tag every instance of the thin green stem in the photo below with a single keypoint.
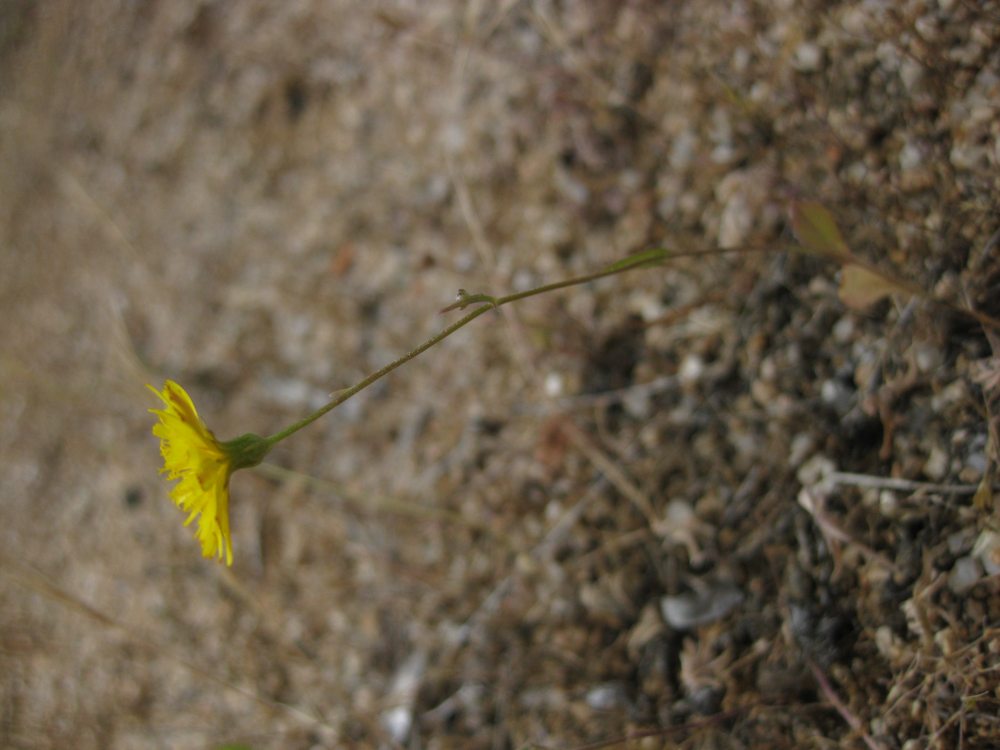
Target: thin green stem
[
  {"x": 639, "y": 260},
  {"x": 345, "y": 394}
]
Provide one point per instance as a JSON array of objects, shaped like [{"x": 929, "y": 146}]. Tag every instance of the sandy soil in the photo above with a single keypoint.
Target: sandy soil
[{"x": 704, "y": 505}]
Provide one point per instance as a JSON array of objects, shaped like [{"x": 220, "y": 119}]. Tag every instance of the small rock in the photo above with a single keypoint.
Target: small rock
[
  {"x": 691, "y": 370},
  {"x": 802, "y": 445},
  {"x": 397, "y": 722},
  {"x": 638, "y": 404},
  {"x": 808, "y": 57},
  {"x": 736, "y": 222},
  {"x": 910, "y": 156},
  {"x": 855, "y": 20},
  {"x": 886, "y": 642},
  {"x": 912, "y": 74},
  {"x": 927, "y": 27},
  {"x": 815, "y": 470},
  {"x": 843, "y": 330},
  {"x": 967, "y": 156},
  {"x": 987, "y": 550},
  {"x": 554, "y": 386},
  {"x": 683, "y": 150},
  {"x": 888, "y": 56},
  {"x": 571, "y": 188},
  {"x": 975, "y": 466},
  {"x": 888, "y": 504},
  {"x": 836, "y": 395},
  {"x": 964, "y": 574},
  {"x": 607, "y": 697},
  {"x": 936, "y": 465},
  {"x": 960, "y": 541},
  {"x": 687, "y": 611},
  {"x": 928, "y": 358}
]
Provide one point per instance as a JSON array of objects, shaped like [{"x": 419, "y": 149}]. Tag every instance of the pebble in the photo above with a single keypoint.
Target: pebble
[
  {"x": 570, "y": 187},
  {"x": 987, "y": 550},
  {"x": 975, "y": 465},
  {"x": 910, "y": 156},
  {"x": 606, "y": 697},
  {"x": 927, "y": 27},
  {"x": 888, "y": 504},
  {"x": 960, "y": 541},
  {"x": 802, "y": 445},
  {"x": 911, "y": 73},
  {"x": 968, "y": 156},
  {"x": 814, "y": 470},
  {"x": 691, "y": 370},
  {"x": 888, "y": 57},
  {"x": 836, "y": 395},
  {"x": 683, "y": 150},
  {"x": 936, "y": 465},
  {"x": 928, "y": 358},
  {"x": 855, "y": 20},
  {"x": 638, "y": 404},
  {"x": 808, "y": 57},
  {"x": 964, "y": 574},
  {"x": 397, "y": 722},
  {"x": 886, "y": 642},
  {"x": 554, "y": 385},
  {"x": 736, "y": 222},
  {"x": 687, "y": 611},
  {"x": 843, "y": 330}
]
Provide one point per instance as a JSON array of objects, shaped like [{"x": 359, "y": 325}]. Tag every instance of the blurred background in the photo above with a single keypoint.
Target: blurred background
[{"x": 704, "y": 503}]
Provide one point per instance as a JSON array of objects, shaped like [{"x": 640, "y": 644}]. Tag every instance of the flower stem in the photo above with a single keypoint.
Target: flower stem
[{"x": 641, "y": 260}]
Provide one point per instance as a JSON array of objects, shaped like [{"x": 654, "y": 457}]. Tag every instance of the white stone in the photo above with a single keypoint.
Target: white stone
[
  {"x": 691, "y": 610},
  {"x": 736, "y": 222},
  {"x": 691, "y": 369},
  {"x": 815, "y": 469},
  {"x": 553, "y": 385},
  {"x": 843, "y": 330},
  {"x": 606, "y": 697},
  {"x": 965, "y": 574},
  {"x": 808, "y": 57},
  {"x": 987, "y": 550},
  {"x": 936, "y": 465},
  {"x": 802, "y": 445},
  {"x": 910, "y": 156}
]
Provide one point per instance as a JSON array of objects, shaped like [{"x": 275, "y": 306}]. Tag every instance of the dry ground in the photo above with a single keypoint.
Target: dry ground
[{"x": 706, "y": 503}]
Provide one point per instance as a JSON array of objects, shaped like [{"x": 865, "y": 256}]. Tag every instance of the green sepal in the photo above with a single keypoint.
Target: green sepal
[{"x": 246, "y": 450}]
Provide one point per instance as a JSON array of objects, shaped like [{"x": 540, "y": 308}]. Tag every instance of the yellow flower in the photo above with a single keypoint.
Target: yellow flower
[{"x": 203, "y": 464}]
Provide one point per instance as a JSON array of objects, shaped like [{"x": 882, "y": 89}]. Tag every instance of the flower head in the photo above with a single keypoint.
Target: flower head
[{"x": 203, "y": 464}]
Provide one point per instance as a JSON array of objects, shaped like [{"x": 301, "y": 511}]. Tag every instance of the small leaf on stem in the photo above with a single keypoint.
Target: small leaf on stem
[
  {"x": 861, "y": 287},
  {"x": 816, "y": 229},
  {"x": 646, "y": 257}
]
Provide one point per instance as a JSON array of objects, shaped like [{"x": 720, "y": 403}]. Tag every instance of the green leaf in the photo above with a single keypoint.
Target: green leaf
[
  {"x": 649, "y": 257},
  {"x": 816, "y": 229}
]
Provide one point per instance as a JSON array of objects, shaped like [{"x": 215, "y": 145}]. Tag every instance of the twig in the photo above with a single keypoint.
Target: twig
[
  {"x": 902, "y": 485},
  {"x": 599, "y": 399},
  {"x": 641, "y": 734},
  {"x": 622, "y": 482},
  {"x": 845, "y": 713}
]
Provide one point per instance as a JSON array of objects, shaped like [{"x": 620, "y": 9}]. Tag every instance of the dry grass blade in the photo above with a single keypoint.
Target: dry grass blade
[{"x": 845, "y": 712}]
